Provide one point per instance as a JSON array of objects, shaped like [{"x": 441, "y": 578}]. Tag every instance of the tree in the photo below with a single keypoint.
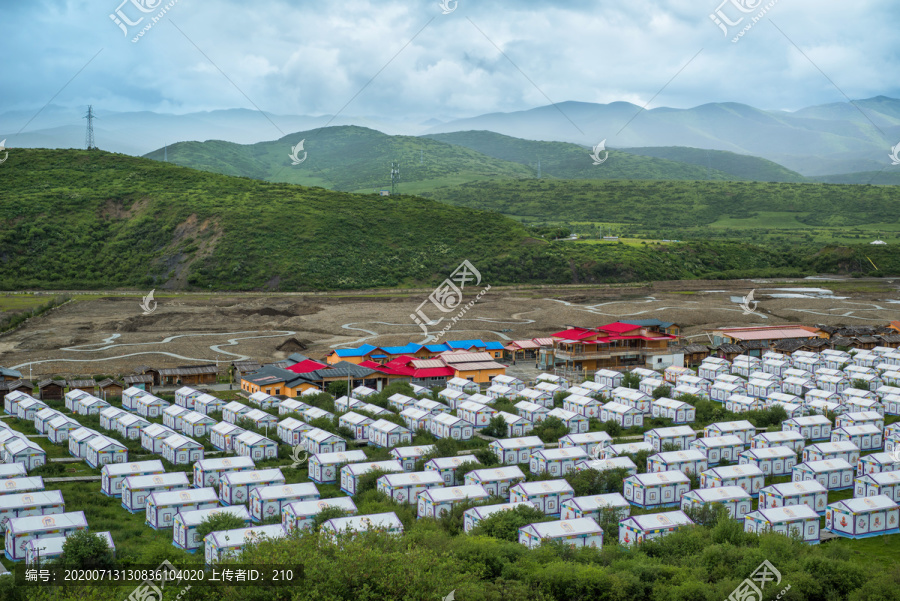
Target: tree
[
  {"x": 337, "y": 389},
  {"x": 631, "y": 380},
  {"x": 859, "y": 384},
  {"x": 84, "y": 550},
  {"x": 329, "y": 513},
  {"x": 218, "y": 522},
  {"x": 505, "y": 524},
  {"x": 496, "y": 427},
  {"x": 661, "y": 392},
  {"x": 550, "y": 430},
  {"x": 593, "y": 482},
  {"x": 487, "y": 457}
]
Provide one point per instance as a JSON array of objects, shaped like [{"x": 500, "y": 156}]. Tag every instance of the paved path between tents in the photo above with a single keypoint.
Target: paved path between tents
[{"x": 66, "y": 459}]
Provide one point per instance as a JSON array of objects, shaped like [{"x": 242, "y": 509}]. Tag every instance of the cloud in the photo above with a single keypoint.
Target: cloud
[{"x": 395, "y": 59}]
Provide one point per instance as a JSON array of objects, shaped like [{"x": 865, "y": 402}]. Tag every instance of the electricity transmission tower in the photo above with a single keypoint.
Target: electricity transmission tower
[
  {"x": 89, "y": 136},
  {"x": 395, "y": 177}
]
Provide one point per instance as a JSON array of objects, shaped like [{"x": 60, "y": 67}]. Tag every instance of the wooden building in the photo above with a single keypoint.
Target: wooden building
[
  {"x": 110, "y": 389},
  {"x": 196, "y": 375},
  {"x": 7, "y": 386},
  {"x": 141, "y": 381},
  {"x": 9, "y": 375},
  {"x": 88, "y": 386},
  {"x": 51, "y": 390}
]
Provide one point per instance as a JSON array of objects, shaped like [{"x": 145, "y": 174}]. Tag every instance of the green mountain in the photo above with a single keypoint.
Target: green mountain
[
  {"x": 348, "y": 158},
  {"x": 889, "y": 176},
  {"x": 679, "y": 210},
  {"x": 357, "y": 159},
  {"x": 563, "y": 160},
  {"x": 741, "y": 166},
  {"x": 91, "y": 219}
]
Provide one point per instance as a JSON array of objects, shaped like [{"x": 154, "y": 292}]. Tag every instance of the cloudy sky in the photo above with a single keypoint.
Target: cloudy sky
[{"x": 305, "y": 57}]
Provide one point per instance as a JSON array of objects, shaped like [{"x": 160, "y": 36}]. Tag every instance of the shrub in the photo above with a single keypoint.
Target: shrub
[
  {"x": 218, "y": 522},
  {"x": 631, "y": 380},
  {"x": 550, "y": 430},
  {"x": 84, "y": 550},
  {"x": 505, "y": 524},
  {"x": 591, "y": 482},
  {"x": 496, "y": 427},
  {"x": 661, "y": 391}
]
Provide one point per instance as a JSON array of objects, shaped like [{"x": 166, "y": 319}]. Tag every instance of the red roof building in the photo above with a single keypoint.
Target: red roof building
[
  {"x": 616, "y": 345},
  {"x": 307, "y": 366}
]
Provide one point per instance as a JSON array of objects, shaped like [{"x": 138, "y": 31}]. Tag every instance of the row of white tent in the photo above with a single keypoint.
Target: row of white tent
[{"x": 34, "y": 520}]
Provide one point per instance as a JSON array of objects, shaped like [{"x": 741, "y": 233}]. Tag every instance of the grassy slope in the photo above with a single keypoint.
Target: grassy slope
[
  {"x": 77, "y": 219},
  {"x": 563, "y": 160},
  {"x": 568, "y": 161},
  {"x": 358, "y": 159},
  {"x": 739, "y": 165},
  {"x": 675, "y": 206},
  {"x": 70, "y": 218},
  {"x": 346, "y": 158}
]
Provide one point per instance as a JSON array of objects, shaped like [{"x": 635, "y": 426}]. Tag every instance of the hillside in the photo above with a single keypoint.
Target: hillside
[
  {"x": 356, "y": 159},
  {"x": 889, "y": 176},
  {"x": 564, "y": 160},
  {"x": 79, "y": 219},
  {"x": 741, "y": 166},
  {"x": 680, "y": 210},
  {"x": 348, "y": 158}
]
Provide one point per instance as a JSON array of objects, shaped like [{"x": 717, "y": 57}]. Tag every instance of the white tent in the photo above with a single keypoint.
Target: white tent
[
  {"x": 300, "y": 514},
  {"x": 799, "y": 519},
  {"x": 578, "y": 532},
  {"x": 185, "y": 523},
  {"x": 405, "y": 487},
  {"x": 833, "y": 474},
  {"x": 719, "y": 448},
  {"x": 773, "y": 461},
  {"x": 207, "y": 472},
  {"x": 735, "y": 499},
  {"x": 786, "y": 494},
  {"x": 639, "y": 528},
  {"x": 435, "y": 502},
  {"x": 687, "y": 461},
  {"x": 658, "y": 489},
  {"x": 863, "y": 517},
  {"x": 268, "y": 501}
]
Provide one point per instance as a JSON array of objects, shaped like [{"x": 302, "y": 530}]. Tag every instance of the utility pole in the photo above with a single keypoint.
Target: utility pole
[
  {"x": 89, "y": 135},
  {"x": 539, "y": 168}
]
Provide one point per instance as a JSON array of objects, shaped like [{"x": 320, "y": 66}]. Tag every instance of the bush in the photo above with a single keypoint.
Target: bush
[
  {"x": 859, "y": 384},
  {"x": 218, "y": 522},
  {"x": 661, "y": 391},
  {"x": 338, "y": 389},
  {"x": 612, "y": 427},
  {"x": 631, "y": 380},
  {"x": 496, "y": 427},
  {"x": 591, "y": 482},
  {"x": 369, "y": 480},
  {"x": 505, "y": 524},
  {"x": 329, "y": 513},
  {"x": 487, "y": 457},
  {"x": 84, "y": 550},
  {"x": 550, "y": 430}
]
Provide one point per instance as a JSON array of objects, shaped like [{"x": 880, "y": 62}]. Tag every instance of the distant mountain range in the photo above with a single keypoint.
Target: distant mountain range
[
  {"x": 840, "y": 142},
  {"x": 356, "y": 159},
  {"x": 821, "y": 140}
]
